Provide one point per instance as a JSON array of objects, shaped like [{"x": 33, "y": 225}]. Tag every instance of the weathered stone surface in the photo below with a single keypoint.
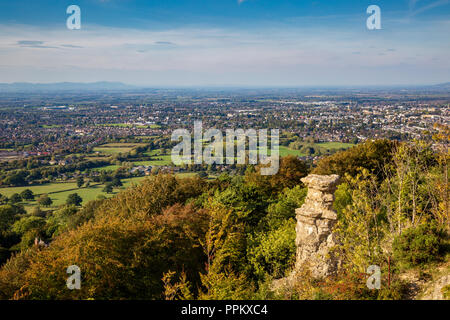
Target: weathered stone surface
[
  {"x": 435, "y": 291},
  {"x": 322, "y": 183},
  {"x": 315, "y": 220}
]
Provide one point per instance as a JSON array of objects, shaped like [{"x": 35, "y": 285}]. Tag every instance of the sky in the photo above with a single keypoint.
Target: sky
[{"x": 248, "y": 43}]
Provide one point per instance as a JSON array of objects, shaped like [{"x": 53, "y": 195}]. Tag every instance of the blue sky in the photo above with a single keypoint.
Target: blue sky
[{"x": 226, "y": 42}]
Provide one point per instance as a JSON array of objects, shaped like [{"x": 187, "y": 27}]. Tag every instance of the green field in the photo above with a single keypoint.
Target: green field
[
  {"x": 130, "y": 125},
  {"x": 59, "y": 192},
  {"x": 285, "y": 151},
  {"x": 111, "y": 151},
  {"x": 46, "y": 126},
  {"x": 112, "y": 167},
  {"x": 123, "y": 145},
  {"x": 166, "y": 160},
  {"x": 152, "y": 153},
  {"x": 335, "y": 145},
  {"x": 116, "y": 148}
]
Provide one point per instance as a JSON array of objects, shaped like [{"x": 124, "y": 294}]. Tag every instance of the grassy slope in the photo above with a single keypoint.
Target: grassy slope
[{"x": 59, "y": 192}]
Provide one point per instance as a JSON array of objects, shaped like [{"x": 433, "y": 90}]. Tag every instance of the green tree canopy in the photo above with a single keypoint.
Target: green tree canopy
[{"x": 74, "y": 199}]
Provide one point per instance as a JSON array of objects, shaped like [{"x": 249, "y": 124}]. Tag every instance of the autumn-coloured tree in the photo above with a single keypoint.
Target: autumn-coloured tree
[
  {"x": 119, "y": 257},
  {"x": 291, "y": 170},
  {"x": 371, "y": 155}
]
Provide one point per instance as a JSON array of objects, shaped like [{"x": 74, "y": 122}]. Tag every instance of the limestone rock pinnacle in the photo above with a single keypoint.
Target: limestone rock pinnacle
[{"x": 315, "y": 221}]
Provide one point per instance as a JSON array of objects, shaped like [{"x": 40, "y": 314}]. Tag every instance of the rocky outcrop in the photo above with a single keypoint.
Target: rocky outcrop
[{"x": 315, "y": 221}]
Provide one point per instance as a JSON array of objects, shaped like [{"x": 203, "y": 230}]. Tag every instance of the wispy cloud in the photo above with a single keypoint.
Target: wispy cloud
[
  {"x": 164, "y": 43},
  {"x": 33, "y": 44},
  {"x": 30, "y": 43},
  {"x": 414, "y": 11},
  {"x": 71, "y": 46},
  {"x": 207, "y": 56},
  {"x": 40, "y": 45}
]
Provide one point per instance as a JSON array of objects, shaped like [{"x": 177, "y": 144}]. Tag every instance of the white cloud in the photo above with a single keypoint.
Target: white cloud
[{"x": 220, "y": 56}]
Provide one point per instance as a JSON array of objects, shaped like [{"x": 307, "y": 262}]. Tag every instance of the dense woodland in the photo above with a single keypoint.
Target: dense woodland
[{"x": 229, "y": 238}]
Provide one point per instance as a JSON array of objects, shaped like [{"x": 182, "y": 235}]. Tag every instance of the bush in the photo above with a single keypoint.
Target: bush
[
  {"x": 446, "y": 292},
  {"x": 419, "y": 245},
  {"x": 273, "y": 253},
  {"x": 119, "y": 257}
]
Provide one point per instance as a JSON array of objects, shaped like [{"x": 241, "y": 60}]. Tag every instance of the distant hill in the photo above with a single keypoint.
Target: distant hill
[
  {"x": 63, "y": 86},
  {"x": 119, "y": 86},
  {"x": 443, "y": 85}
]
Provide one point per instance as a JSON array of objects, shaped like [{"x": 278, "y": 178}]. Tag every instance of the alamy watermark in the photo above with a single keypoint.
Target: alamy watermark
[
  {"x": 374, "y": 21},
  {"x": 213, "y": 153},
  {"x": 74, "y": 20},
  {"x": 74, "y": 281},
  {"x": 374, "y": 281}
]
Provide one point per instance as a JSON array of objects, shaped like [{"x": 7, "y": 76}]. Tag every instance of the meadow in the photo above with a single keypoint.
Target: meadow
[
  {"x": 335, "y": 145},
  {"x": 59, "y": 191},
  {"x": 164, "y": 159},
  {"x": 131, "y": 125},
  {"x": 332, "y": 146},
  {"x": 116, "y": 148}
]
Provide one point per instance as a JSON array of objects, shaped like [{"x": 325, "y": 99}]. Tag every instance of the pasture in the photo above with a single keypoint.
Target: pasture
[{"x": 116, "y": 148}]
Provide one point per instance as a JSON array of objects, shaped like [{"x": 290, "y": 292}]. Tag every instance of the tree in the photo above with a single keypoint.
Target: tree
[
  {"x": 29, "y": 228},
  {"x": 108, "y": 188},
  {"x": 360, "y": 226},
  {"x": 80, "y": 182},
  {"x": 44, "y": 200},
  {"x": 27, "y": 194},
  {"x": 8, "y": 214},
  {"x": 104, "y": 177},
  {"x": 15, "y": 198},
  {"x": 38, "y": 212},
  {"x": 17, "y": 179},
  {"x": 224, "y": 247},
  {"x": 120, "y": 257},
  {"x": 439, "y": 182},
  {"x": 74, "y": 199},
  {"x": 116, "y": 182},
  {"x": 3, "y": 199},
  {"x": 291, "y": 170},
  {"x": 407, "y": 188},
  {"x": 202, "y": 174},
  {"x": 27, "y": 224},
  {"x": 371, "y": 155},
  {"x": 273, "y": 253}
]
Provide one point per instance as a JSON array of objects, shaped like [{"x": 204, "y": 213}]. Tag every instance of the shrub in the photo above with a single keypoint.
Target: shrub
[
  {"x": 119, "y": 257},
  {"x": 446, "y": 292},
  {"x": 419, "y": 245},
  {"x": 273, "y": 253}
]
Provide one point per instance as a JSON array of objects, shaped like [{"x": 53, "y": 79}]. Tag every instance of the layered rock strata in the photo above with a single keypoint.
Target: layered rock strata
[{"x": 315, "y": 221}]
